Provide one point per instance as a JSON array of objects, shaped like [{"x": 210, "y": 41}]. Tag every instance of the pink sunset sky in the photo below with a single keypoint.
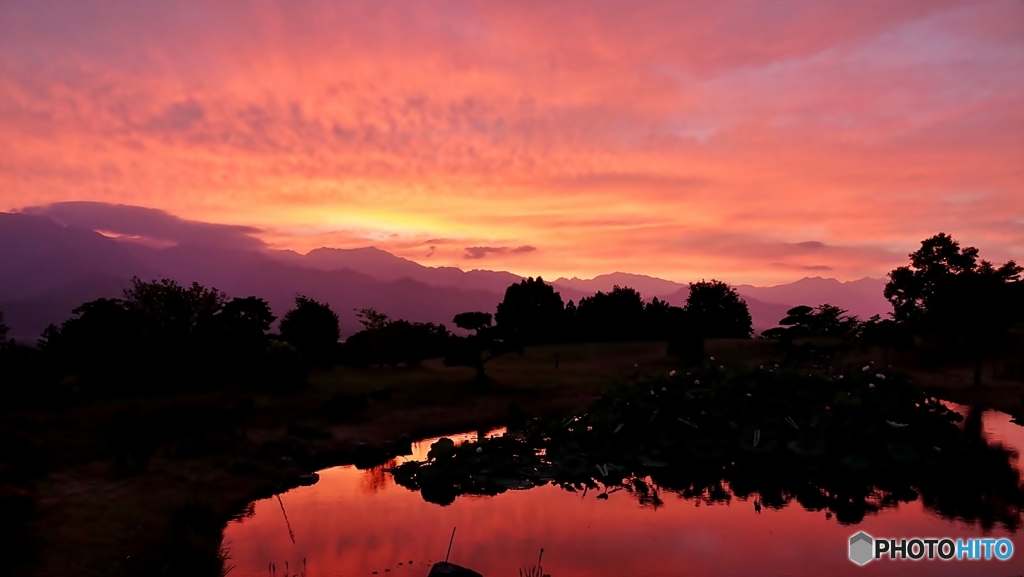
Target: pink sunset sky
[{"x": 756, "y": 142}]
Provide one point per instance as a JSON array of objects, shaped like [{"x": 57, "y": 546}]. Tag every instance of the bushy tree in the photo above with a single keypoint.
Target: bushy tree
[
  {"x": 485, "y": 343},
  {"x": 911, "y": 288},
  {"x": 614, "y": 316},
  {"x": 662, "y": 321},
  {"x": 569, "y": 320},
  {"x": 171, "y": 310},
  {"x": 372, "y": 319},
  {"x": 312, "y": 328},
  {"x": 474, "y": 321},
  {"x": 20, "y": 370},
  {"x": 531, "y": 312},
  {"x": 240, "y": 329},
  {"x": 824, "y": 320},
  {"x": 885, "y": 334},
  {"x": 390, "y": 342},
  {"x": 104, "y": 342},
  {"x": 3, "y": 330},
  {"x": 948, "y": 293},
  {"x": 250, "y": 315},
  {"x": 715, "y": 310},
  {"x": 160, "y": 334}
]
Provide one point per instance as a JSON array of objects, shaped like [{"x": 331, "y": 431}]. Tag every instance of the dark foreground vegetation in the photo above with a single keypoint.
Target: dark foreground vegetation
[
  {"x": 850, "y": 444},
  {"x": 133, "y": 430}
]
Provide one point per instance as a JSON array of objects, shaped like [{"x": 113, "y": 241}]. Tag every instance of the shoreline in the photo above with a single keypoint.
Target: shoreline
[{"x": 91, "y": 521}]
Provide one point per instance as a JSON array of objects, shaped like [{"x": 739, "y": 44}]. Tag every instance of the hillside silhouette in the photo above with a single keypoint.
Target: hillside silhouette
[{"x": 48, "y": 268}]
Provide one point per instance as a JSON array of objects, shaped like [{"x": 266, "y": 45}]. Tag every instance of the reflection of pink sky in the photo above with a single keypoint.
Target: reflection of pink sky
[{"x": 343, "y": 529}]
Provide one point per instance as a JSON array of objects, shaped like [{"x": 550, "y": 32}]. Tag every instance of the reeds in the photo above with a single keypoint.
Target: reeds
[
  {"x": 536, "y": 570},
  {"x": 287, "y": 524},
  {"x": 272, "y": 569}
]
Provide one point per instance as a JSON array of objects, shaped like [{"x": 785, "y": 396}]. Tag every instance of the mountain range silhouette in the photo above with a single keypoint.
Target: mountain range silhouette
[{"x": 48, "y": 268}]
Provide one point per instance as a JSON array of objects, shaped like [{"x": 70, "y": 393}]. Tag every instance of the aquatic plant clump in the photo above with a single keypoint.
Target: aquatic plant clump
[{"x": 851, "y": 446}]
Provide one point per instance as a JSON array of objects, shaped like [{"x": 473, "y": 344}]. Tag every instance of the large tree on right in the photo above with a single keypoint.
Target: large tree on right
[{"x": 947, "y": 292}]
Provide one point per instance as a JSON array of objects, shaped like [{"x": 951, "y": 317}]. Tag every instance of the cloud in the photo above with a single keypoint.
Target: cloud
[
  {"x": 806, "y": 267},
  {"x": 178, "y": 116},
  {"x": 478, "y": 252},
  {"x": 667, "y": 138},
  {"x": 148, "y": 224}
]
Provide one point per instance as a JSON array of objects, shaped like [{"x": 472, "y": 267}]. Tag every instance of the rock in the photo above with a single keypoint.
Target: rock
[{"x": 442, "y": 569}]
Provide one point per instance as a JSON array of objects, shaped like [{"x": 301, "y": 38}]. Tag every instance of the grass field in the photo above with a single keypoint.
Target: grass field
[{"x": 91, "y": 520}]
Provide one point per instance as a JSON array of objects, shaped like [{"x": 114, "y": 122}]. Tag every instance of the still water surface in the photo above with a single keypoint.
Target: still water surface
[{"x": 355, "y": 522}]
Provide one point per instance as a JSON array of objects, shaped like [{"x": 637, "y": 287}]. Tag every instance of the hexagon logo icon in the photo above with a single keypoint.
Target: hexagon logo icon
[{"x": 861, "y": 546}]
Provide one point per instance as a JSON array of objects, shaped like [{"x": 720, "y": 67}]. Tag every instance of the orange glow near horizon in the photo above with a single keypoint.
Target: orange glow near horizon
[{"x": 753, "y": 143}]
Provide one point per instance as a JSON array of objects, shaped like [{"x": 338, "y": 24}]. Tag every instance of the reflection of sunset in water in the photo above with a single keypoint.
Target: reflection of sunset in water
[
  {"x": 355, "y": 522},
  {"x": 377, "y": 479}
]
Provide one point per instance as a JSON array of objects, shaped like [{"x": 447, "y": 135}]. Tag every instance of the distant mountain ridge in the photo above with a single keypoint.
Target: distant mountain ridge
[
  {"x": 46, "y": 269},
  {"x": 863, "y": 297},
  {"x": 385, "y": 266},
  {"x": 648, "y": 286}
]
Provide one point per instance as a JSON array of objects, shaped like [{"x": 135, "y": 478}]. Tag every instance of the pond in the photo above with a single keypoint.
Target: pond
[{"x": 357, "y": 522}]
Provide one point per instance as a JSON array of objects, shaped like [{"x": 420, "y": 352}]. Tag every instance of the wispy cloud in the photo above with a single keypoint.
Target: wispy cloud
[
  {"x": 668, "y": 138},
  {"x": 149, "y": 224},
  {"x": 478, "y": 252}
]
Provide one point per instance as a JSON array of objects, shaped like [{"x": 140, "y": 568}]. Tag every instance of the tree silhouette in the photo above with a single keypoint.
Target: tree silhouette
[
  {"x": 614, "y": 316},
  {"x": 390, "y": 342},
  {"x": 473, "y": 321},
  {"x": 948, "y": 293},
  {"x": 715, "y": 310},
  {"x": 241, "y": 329},
  {"x": 178, "y": 325},
  {"x": 249, "y": 315},
  {"x": 19, "y": 367},
  {"x": 821, "y": 321},
  {"x": 104, "y": 342},
  {"x": 885, "y": 334},
  {"x": 312, "y": 328},
  {"x": 484, "y": 344},
  {"x": 569, "y": 322},
  {"x": 372, "y": 320},
  {"x": 531, "y": 312},
  {"x": 181, "y": 336},
  {"x": 662, "y": 321}
]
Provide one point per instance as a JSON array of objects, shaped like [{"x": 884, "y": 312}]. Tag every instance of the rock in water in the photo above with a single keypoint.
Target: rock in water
[{"x": 443, "y": 569}]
